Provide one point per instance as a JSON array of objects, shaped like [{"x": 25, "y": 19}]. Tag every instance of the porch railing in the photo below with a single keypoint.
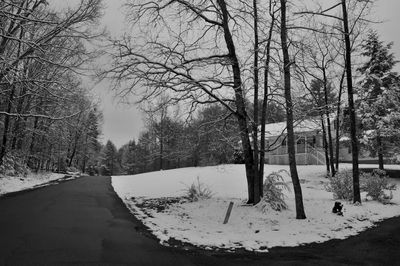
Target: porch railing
[{"x": 316, "y": 154}]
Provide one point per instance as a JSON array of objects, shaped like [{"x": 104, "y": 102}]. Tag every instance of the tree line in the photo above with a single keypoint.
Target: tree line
[
  {"x": 170, "y": 142},
  {"x": 48, "y": 120}
]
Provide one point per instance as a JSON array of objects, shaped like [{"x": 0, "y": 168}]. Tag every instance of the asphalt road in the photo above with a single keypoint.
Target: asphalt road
[{"x": 83, "y": 222}]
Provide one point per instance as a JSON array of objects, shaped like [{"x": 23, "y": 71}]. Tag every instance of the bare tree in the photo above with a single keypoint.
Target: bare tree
[
  {"x": 347, "y": 30},
  {"x": 272, "y": 12},
  {"x": 300, "y": 214},
  {"x": 41, "y": 51},
  {"x": 198, "y": 58},
  {"x": 319, "y": 63},
  {"x": 352, "y": 111},
  {"x": 257, "y": 182}
]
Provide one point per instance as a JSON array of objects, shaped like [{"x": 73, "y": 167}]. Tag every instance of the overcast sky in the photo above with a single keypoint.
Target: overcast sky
[{"x": 123, "y": 123}]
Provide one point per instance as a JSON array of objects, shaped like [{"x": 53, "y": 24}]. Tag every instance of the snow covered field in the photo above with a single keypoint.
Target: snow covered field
[
  {"x": 201, "y": 223},
  {"x": 13, "y": 184}
]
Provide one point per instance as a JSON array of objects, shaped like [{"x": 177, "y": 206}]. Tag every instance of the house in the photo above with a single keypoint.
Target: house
[{"x": 309, "y": 143}]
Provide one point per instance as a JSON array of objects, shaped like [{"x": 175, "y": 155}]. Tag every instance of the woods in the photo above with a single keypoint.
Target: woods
[{"x": 48, "y": 119}]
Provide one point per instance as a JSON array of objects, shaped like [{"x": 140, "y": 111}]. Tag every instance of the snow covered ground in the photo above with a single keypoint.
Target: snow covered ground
[
  {"x": 12, "y": 184},
  {"x": 201, "y": 223}
]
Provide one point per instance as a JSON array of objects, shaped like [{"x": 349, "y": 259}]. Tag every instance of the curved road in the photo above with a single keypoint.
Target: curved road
[{"x": 83, "y": 222}]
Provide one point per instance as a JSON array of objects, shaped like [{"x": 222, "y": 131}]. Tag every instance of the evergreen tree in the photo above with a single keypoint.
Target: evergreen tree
[
  {"x": 129, "y": 158},
  {"x": 92, "y": 147},
  {"x": 110, "y": 159},
  {"x": 379, "y": 94}
]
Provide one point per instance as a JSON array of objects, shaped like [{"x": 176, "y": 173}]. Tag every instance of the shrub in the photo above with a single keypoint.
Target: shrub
[
  {"x": 375, "y": 184},
  {"x": 341, "y": 185},
  {"x": 13, "y": 165},
  {"x": 273, "y": 190},
  {"x": 238, "y": 157},
  {"x": 196, "y": 192}
]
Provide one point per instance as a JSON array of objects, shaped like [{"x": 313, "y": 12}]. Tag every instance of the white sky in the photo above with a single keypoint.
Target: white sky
[{"x": 123, "y": 123}]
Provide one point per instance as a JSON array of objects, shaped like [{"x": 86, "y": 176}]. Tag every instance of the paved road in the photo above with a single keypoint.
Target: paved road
[{"x": 83, "y": 222}]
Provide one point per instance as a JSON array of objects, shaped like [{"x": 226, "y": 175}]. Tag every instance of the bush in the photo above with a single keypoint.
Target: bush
[
  {"x": 238, "y": 157},
  {"x": 196, "y": 192},
  {"x": 341, "y": 185},
  {"x": 14, "y": 165},
  {"x": 375, "y": 184},
  {"x": 273, "y": 190}
]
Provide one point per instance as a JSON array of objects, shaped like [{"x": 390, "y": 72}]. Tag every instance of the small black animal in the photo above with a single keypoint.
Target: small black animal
[{"x": 337, "y": 208}]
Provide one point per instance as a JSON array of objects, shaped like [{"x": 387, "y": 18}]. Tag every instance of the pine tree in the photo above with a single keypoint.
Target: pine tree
[
  {"x": 110, "y": 159},
  {"x": 129, "y": 158},
  {"x": 379, "y": 92}
]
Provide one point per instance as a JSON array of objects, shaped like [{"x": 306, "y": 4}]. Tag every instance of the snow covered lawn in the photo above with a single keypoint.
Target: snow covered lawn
[
  {"x": 154, "y": 199},
  {"x": 12, "y": 184}
]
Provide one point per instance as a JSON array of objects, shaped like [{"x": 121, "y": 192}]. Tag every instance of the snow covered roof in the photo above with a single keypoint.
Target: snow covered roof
[{"x": 276, "y": 129}]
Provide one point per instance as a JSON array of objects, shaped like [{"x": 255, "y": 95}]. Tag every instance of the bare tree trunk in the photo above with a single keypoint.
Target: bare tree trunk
[
  {"x": 325, "y": 145},
  {"x": 3, "y": 147},
  {"x": 74, "y": 148},
  {"x": 20, "y": 100},
  {"x": 265, "y": 100},
  {"x": 258, "y": 180},
  {"x": 35, "y": 126},
  {"x": 300, "y": 214},
  {"x": 352, "y": 111},
  {"x": 338, "y": 120},
  {"x": 380, "y": 150},
  {"x": 161, "y": 143},
  {"x": 241, "y": 113},
  {"x": 330, "y": 146},
  {"x": 328, "y": 121}
]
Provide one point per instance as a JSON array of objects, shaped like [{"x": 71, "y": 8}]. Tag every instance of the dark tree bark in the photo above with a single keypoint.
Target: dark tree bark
[
  {"x": 74, "y": 149},
  {"x": 258, "y": 179},
  {"x": 352, "y": 111},
  {"x": 4, "y": 141},
  {"x": 17, "y": 126},
  {"x": 338, "y": 117},
  {"x": 33, "y": 138},
  {"x": 300, "y": 214},
  {"x": 241, "y": 113},
  {"x": 265, "y": 99},
  {"x": 161, "y": 155},
  {"x": 325, "y": 144},
  {"x": 328, "y": 122},
  {"x": 380, "y": 150}
]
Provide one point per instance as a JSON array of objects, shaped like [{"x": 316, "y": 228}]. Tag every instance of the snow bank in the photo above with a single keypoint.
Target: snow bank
[
  {"x": 201, "y": 223},
  {"x": 12, "y": 184}
]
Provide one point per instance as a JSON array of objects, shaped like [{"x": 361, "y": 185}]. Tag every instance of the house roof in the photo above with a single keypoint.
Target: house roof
[{"x": 277, "y": 129}]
